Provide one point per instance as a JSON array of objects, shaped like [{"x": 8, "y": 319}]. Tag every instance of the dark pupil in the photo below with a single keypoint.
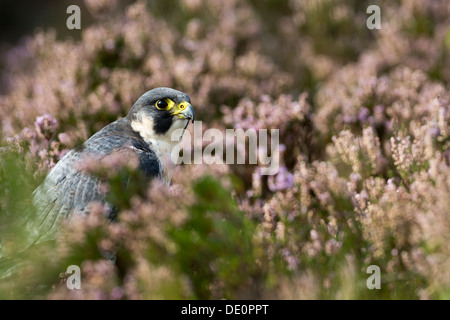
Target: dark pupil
[{"x": 162, "y": 104}]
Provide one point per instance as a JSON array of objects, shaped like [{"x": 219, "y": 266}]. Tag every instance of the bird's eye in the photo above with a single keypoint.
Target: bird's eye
[{"x": 162, "y": 104}]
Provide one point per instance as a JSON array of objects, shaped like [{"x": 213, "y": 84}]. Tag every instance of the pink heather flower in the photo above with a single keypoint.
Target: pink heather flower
[
  {"x": 434, "y": 131},
  {"x": 64, "y": 139},
  {"x": 349, "y": 119},
  {"x": 46, "y": 125},
  {"x": 363, "y": 114},
  {"x": 355, "y": 176},
  {"x": 117, "y": 293},
  {"x": 281, "y": 181},
  {"x": 290, "y": 259}
]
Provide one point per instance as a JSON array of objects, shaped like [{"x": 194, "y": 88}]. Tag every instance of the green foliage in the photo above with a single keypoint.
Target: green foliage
[
  {"x": 16, "y": 185},
  {"x": 215, "y": 246}
]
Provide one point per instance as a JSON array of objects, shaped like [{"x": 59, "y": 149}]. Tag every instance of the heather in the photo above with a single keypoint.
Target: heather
[{"x": 364, "y": 178}]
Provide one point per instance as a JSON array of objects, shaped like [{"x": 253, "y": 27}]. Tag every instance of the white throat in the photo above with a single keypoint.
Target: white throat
[{"x": 162, "y": 144}]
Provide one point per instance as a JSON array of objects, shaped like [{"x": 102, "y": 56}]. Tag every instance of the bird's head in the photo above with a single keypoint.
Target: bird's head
[{"x": 159, "y": 112}]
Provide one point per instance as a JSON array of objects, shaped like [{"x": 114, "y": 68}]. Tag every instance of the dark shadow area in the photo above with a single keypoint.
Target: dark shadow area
[{"x": 21, "y": 18}]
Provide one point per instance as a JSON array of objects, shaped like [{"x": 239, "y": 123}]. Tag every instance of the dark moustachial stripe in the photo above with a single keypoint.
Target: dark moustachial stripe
[{"x": 162, "y": 122}]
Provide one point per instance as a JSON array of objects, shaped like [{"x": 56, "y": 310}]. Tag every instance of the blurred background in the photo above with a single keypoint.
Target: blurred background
[{"x": 363, "y": 117}]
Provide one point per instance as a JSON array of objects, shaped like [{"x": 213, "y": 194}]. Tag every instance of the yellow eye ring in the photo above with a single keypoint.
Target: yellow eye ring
[{"x": 161, "y": 104}]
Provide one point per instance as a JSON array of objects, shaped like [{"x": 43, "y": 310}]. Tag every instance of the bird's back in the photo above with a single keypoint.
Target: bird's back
[{"x": 67, "y": 189}]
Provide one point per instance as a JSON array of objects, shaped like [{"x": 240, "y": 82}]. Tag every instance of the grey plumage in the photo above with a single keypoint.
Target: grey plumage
[{"x": 67, "y": 190}]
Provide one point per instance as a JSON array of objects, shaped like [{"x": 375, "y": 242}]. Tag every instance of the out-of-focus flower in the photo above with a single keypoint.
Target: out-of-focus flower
[
  {"x": 46, "y": 125},
  {"x": 282, "y": 180}
]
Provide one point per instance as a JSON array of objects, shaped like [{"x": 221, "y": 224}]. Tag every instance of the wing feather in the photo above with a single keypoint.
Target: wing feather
[{"x": 67, "y": 190}]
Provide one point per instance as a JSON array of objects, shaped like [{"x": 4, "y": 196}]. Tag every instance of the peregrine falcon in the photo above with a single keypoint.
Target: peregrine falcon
[{"x": 146, "y": 131}]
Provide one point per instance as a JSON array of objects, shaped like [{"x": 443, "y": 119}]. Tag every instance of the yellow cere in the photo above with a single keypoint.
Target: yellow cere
[{"x": 180, "y": 107}]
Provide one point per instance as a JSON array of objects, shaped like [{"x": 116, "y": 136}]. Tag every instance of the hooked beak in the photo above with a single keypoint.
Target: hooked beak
[{"x": 185, "y": 111}]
